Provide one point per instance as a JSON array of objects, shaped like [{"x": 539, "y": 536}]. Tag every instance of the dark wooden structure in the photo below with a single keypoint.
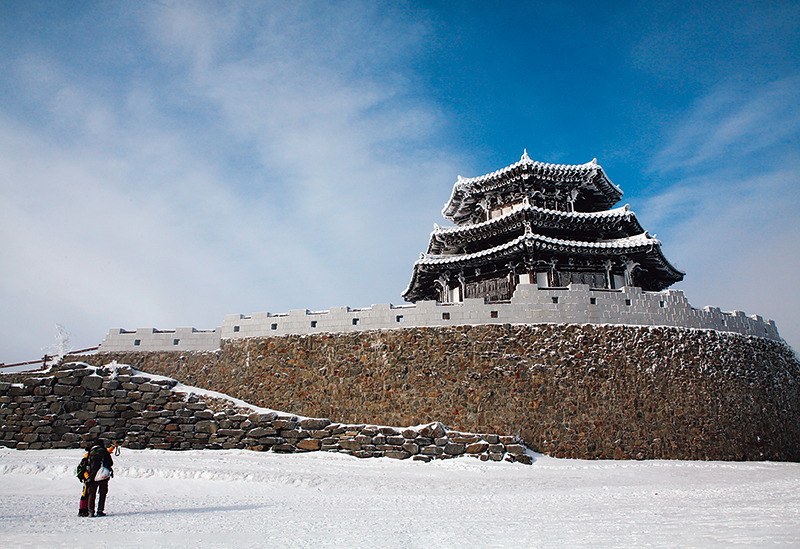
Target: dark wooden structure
[{"x": 535, "y": 223}]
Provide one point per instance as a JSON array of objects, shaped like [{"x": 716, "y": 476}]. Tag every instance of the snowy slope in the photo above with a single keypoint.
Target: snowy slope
[{"x": 239, "y": 498}]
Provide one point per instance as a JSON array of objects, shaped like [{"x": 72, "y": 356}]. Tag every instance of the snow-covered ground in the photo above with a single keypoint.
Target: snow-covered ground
[{"x": 242, "y": 499}]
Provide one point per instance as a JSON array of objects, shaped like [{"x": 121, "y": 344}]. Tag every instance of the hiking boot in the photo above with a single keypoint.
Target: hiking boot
[{"x": 100, "y": 514}]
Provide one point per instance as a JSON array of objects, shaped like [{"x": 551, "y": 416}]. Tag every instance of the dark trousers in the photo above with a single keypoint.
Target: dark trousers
[{"x": 101, "y": 501}]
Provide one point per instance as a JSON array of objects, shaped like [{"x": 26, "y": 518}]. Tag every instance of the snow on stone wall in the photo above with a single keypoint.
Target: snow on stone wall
[
  {"x": 77, "y": 404},
  {"x": 568, "y": 390},
  {"x": 577, "y": 304}
]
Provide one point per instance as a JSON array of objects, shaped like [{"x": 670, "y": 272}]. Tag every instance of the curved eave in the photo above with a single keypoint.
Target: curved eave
[
  {"x": 631, "y": 244},
  {"x": 589, "y": 173},
  {"x": 539, "y": 217},
  {"x": 642, "y": 246},
  {"x": 667, "y": 269}
]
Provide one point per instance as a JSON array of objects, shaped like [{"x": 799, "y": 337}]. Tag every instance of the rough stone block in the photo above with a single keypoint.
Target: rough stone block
[
  {"x": 258, "y": 418},
  {"x": 311, "y": 424},
  {"x": 349, "y": 444},
  {"x": 310, "y": 444},
  {"x": 234, "y": 433},
  {"x": 284, "y": 424},
  {"x": 205, "y": 427},
  {"x": 270, "y": 441},
  {"x": 515, "y": 449},
  {"x": 293, "y": 434},
  {"x": 260, "y": 432},
  {"x": 363, "y": 439},
  {"x": 92, "y": 382},
  {"x": 32, "y": 382},
  {"x": 454, "y": 449},
  {"x": 477, "y": 447},
  {"x": 432, "y": 451},
  {"x": 496, "y": 449},
  {"x": 411, "y": 448},
  {"x": 330, "y": 448},
  {"x": 524, "y": 458}
]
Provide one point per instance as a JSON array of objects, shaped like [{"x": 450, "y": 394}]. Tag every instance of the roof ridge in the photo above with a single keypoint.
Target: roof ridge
[{"x": 525, "y": 159}]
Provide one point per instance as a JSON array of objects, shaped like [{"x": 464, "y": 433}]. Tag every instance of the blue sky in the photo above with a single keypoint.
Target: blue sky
[{"x": 166, "y": 163}]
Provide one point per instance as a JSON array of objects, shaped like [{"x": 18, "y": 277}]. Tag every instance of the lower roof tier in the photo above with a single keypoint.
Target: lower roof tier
[{"x": 640, "y": 254}]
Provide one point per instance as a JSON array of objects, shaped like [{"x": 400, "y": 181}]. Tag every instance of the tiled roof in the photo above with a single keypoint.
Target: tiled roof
[
  {"x": 621, "y": 245},
  {"x": 617, "y": 213},
  {"x": 464, "y": 187}
]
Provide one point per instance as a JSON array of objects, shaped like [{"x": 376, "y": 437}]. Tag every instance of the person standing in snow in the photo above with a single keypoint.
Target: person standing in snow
[{"x": 100, "y": 471}]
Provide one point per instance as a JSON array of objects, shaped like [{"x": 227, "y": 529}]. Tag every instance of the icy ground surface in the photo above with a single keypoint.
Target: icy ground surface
[{"x": 248, "y": 499}]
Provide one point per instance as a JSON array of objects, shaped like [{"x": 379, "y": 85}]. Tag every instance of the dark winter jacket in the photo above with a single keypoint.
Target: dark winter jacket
[{"x": 99, "y": 456}]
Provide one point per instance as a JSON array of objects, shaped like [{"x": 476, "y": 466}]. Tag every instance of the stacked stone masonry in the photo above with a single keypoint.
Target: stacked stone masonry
[
  {"x": 579, "y": 391},
  {"x": 530, "y": 304},
  {"x": 80, "y": 403}
]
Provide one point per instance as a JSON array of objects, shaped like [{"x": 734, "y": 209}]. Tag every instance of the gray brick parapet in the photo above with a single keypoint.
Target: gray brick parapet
[
  {"x": 576, "y": 304},
  {"x": 151, "y": 339}
]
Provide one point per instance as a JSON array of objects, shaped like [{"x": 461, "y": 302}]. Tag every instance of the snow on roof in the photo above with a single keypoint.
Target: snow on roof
[
  {"x": 464, "y": 182},
  {"x": 466, "y": 186},
  {"x": 621, "y": 244},
  {"x": 621, "y": 212}
]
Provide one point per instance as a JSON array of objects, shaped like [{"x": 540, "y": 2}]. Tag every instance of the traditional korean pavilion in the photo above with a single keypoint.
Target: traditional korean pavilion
[{"x": 536, "y": 223}]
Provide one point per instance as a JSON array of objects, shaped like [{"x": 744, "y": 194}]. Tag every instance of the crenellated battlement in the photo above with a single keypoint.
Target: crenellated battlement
[{"x": 575, "y": 304}]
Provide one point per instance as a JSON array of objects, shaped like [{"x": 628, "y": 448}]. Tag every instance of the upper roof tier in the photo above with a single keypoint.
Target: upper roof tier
[{"x": 593, "y": 190}]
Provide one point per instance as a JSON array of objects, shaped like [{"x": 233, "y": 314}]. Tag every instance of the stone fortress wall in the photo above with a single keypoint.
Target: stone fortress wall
[
  {"x": 567, "y": 390},
  {"x": 77, "y": 403},
  {"x": 576, "y": 304}
]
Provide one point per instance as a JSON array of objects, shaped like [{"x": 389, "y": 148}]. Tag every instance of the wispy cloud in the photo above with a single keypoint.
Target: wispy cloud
[
  {"x": 731, "y": 198},
  {"x": 732, "y": 123}
]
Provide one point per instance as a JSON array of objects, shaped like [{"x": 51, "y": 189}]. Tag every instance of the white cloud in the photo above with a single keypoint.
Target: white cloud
[{"x": 256, "y": 178}]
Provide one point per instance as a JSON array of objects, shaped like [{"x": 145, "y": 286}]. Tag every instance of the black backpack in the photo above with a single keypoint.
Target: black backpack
[{"x": 82, "y": 471}]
